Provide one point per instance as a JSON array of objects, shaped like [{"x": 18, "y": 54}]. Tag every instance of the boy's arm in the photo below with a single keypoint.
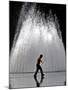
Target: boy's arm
[{"x": 41, "y": 62}]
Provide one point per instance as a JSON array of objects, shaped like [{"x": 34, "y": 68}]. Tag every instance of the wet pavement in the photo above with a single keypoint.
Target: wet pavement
[{"x": 27, "y": 80}]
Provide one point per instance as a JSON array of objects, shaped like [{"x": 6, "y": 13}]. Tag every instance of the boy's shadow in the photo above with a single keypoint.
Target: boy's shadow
[{"x": 37, "y": 82}]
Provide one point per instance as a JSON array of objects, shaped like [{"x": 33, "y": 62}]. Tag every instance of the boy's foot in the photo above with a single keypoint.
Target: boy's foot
[{"x": 42, "y": 76}]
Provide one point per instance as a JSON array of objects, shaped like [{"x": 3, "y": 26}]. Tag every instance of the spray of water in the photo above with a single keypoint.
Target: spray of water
[{"x": 36, "y": 34}]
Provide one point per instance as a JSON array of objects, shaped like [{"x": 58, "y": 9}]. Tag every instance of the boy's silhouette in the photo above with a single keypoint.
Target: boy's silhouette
[{"x": 38, "y": 67}]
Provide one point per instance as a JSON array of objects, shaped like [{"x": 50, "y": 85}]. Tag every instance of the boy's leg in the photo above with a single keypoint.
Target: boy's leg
[
  {"x": 36, "y": 70},
  {"x": 41, "y": 71}
]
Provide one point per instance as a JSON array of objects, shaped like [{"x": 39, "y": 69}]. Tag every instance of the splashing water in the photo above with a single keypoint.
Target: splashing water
[{"x": 36, "y": 35}]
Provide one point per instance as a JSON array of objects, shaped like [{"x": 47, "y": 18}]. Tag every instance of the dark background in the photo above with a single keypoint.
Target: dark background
[{"x": 14, "y": 11}]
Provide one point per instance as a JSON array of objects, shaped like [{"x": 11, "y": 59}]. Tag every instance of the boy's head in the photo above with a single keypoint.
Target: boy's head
[{"x": 41, "y": 55}]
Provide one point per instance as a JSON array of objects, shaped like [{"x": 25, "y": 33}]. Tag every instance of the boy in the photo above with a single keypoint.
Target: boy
[{"x": 38, "y": 67}]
